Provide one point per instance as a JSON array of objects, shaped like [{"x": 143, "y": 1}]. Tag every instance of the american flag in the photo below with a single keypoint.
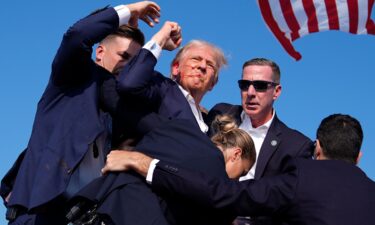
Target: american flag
[{"x": 291, "y": 19}]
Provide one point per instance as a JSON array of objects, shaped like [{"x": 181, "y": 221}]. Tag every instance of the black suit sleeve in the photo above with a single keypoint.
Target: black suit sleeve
[
  {"x": 263, "y": 197},
  {"x": 73, "y": 62},
  {"x": 108, "y": 96},
  {"x": 307, "y": 150},
  {"x": 137, "y": 75}
]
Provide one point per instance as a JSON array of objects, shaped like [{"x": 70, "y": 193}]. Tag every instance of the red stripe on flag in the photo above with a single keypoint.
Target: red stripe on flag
[
  {"x": 290, "y": 18},
  {"x": 265, "y": 9},
  {"x": 312, "y": 21},
  {"x": 353, "y": 16},
  {"x": 370, "y": 25},
  {"x": 333, "y": 16}
]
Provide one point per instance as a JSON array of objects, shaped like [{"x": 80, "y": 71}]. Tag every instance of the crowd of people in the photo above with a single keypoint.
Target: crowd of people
[{"x": 116, "y": 142}]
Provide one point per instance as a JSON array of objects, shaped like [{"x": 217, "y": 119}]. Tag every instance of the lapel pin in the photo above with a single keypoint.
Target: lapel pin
[{"x": 274, "y": 143}]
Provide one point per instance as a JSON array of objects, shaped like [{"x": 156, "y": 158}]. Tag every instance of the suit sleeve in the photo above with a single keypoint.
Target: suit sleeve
[
  {"x": 108, "y": 96},
  {"x": 138, "y": 73},
  {"x": 262, "y": 197},
  {"x": 139, "y": 78},
  {"x": 306, "y": 150},
  {"x": 72, "y": 62}
]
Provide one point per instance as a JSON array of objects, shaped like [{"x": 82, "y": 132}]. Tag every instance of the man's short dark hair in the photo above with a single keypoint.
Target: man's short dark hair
[
  {"x": 340, "y": 137},
  {"x": 265, "y": 62},
  {"x": 128, "y": 32}
]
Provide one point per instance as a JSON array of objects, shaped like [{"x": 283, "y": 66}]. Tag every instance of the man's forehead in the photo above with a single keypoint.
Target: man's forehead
[
  {"x": 257, "y": 75},
  {"x": 258, "y": 70}
]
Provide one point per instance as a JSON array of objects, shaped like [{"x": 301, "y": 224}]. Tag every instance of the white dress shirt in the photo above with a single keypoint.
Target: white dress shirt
[{"x": 258, "y": 135}]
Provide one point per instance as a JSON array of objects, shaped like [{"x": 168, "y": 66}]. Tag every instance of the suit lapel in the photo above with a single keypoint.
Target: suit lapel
[
  {"x": 185, "y": 112},
  {"x": 269, "y": 146}
]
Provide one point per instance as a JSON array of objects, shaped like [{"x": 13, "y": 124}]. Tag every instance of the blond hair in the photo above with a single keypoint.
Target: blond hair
[{"x": 228, "y": 135}]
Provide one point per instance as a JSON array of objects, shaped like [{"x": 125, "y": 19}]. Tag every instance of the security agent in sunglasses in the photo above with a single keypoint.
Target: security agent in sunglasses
[
  {"x": 260, "y": 87},
  {"x": 328, "y": 191}
]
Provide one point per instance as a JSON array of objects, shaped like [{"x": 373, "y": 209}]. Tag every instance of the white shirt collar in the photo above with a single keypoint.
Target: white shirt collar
[
  {"x": 246, "y": 122},
  {"x": 184, "y": 92}
]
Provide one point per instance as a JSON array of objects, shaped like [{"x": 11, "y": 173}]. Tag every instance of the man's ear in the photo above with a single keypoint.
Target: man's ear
[
  {"x": 175, "y": 70},
  {"x": 359, "y": 157},
  {"x": 318, "y": 152},
  {"x": 99, "y": 53},
  {"x": 277, "y": 92}
]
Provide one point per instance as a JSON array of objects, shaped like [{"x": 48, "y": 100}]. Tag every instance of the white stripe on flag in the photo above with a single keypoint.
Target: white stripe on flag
[
  {"x": 363, "y": 16},
  {"x": 321, "y": 14},
  {"x": 338, "y": 16},
  {"x": 343, "y": 11},
  {"x": 278, "y": 15},
  {"x": 299, "y": 12}
]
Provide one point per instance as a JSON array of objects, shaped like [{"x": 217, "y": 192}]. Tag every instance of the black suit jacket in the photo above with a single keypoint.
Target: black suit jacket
[
  {"x": 280, "y": 142},
  {"x": 127, "y": 199},
  {"x": 142, "y": 91},
  {"x": 309, "y": 192},
  {"x": 68, "y": 118}
]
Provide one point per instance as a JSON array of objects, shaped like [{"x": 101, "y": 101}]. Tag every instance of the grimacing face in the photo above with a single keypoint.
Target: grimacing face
[
  {"x": 196, "y": 69},
  {"x": 258, "y": 105},
  {"x": 116, "y": 53}
]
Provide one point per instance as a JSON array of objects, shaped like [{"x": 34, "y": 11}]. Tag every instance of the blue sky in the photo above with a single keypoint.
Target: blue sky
[{"x": 336, "y": 73}]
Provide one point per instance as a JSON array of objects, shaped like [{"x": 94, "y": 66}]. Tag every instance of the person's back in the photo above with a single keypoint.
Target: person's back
[{"x": 330, "y": 192}]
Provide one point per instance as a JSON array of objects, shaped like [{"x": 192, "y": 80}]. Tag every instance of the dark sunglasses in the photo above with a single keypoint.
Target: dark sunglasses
[{"x": 259, "y": 85}]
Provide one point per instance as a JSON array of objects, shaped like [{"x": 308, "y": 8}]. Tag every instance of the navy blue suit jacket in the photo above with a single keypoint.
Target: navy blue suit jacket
[
  {"x": 125, "y": 197},
  {"x": 280, "y": 142},
  {"x": 68, "y": 118},
  {"x": 144, "y": 90},
  {"x": 310, "y": 192}
]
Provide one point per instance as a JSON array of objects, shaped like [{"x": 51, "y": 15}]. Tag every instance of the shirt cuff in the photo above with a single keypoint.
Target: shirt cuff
[
  {"x": 123, "y": 13},
  {"x": 151, "y": 170},
  {"x": 154, "y": 48}
]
